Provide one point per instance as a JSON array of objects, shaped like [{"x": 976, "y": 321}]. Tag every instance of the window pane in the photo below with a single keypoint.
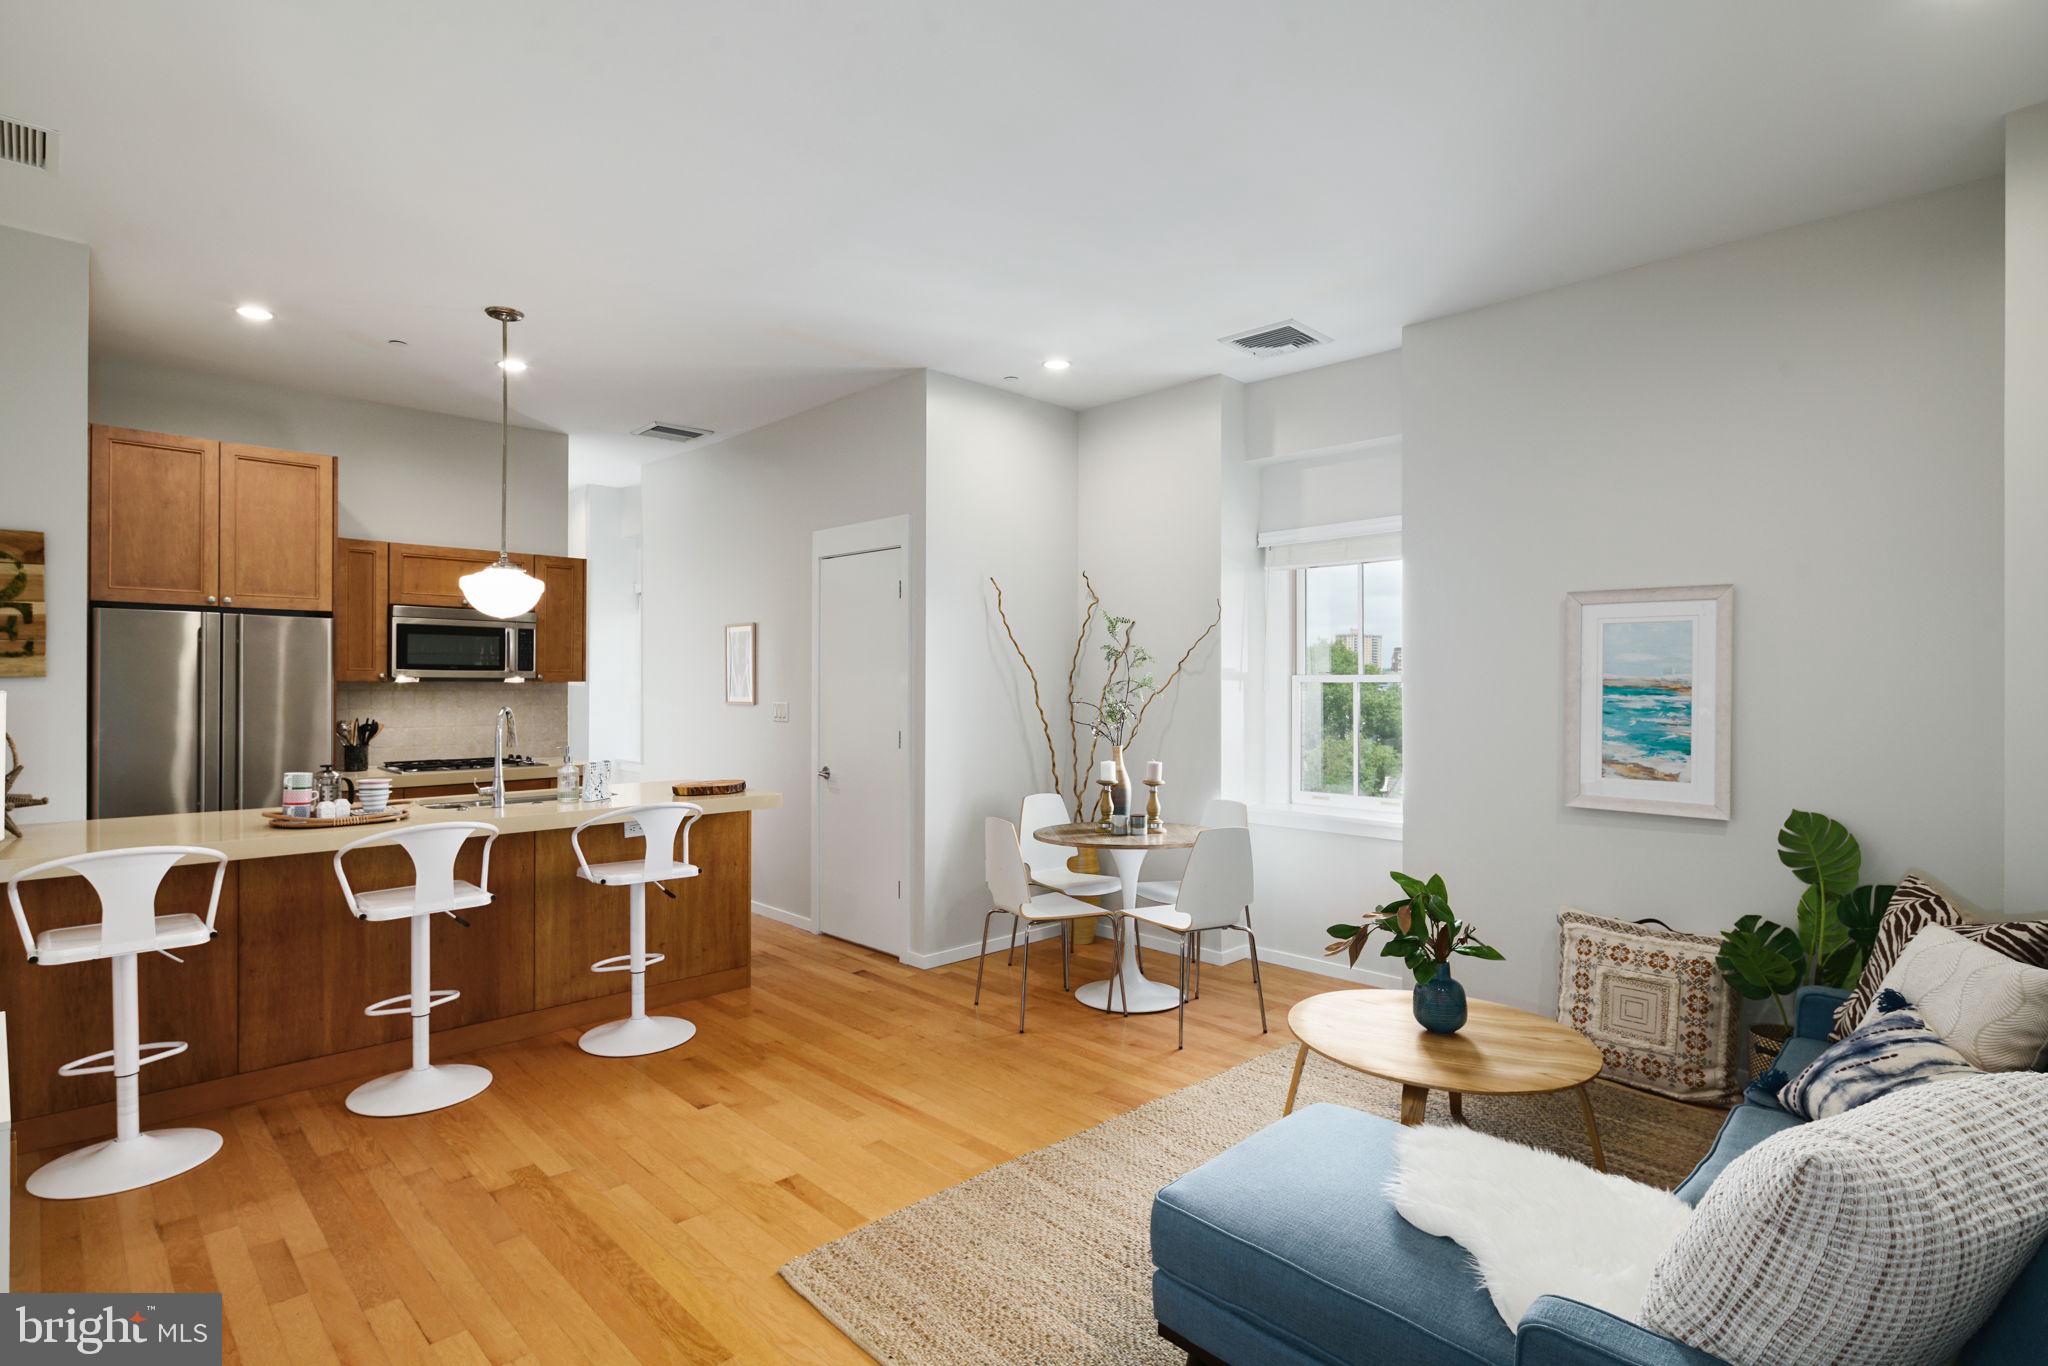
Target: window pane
[
  {"x": 1326, "y": 748},
  {"x": 1379, "y": 739},
  {"x": 1329, "y": 597},
  {"x": 1379, "y": 650}
]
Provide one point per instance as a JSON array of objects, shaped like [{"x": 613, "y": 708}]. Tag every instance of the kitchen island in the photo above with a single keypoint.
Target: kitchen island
[{"x": 274, "y": 1003}]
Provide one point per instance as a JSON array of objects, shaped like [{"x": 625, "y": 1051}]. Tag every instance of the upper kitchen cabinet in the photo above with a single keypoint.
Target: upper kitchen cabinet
[
  {"x": 431, "y": 575},
  {"x": 276, "y": 530},
  {"x": 558, "y": 619},
  {"x": 155, "y": 518},
  {"x": 362, "y": 611},
  {"x": 183, "y": 521}
]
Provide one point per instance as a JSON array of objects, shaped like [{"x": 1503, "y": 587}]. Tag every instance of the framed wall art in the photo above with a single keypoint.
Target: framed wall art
[
  {"x": 739, "y": 664},
  {"x": 1648, "y": 700},
  {"x": 24, "y": 632}
]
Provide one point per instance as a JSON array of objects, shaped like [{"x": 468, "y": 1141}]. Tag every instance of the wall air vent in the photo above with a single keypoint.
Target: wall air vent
[
  {"x": 672, "y": 431},
  {"x": 27, "y": 144},
  {"x": 1276, "y": 340}
]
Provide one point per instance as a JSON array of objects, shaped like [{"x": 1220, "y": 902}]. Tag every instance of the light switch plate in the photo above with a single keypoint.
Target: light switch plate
[
  {"x": 633, "y": 830},
  {"x": 781, "y": 711}
]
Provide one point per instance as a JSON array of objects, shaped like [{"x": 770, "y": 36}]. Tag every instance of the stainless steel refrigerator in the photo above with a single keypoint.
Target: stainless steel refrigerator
[{"x": 204, "y": 710}]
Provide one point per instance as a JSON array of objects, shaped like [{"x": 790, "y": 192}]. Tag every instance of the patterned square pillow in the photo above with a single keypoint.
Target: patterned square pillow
[
  {"x": 1919, "y": 901},
  {"x": 1893, "y": 1048},
  {"x": 1991, "y": 1006},
  {"x": 1888, "y": 1233}
]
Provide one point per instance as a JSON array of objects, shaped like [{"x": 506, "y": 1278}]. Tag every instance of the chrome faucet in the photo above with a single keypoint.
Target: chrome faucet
[{"x": 507, "y": 735}]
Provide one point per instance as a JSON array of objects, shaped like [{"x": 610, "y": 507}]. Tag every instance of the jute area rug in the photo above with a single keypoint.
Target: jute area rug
[{"x": 1047, "y": 1259}]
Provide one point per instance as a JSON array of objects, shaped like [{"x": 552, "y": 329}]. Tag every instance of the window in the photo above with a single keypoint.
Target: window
[{"x": 1346, "y": 685}]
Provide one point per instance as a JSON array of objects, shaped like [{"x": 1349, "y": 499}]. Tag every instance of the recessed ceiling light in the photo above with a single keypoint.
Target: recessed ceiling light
[
  {"x": 1057, "y": 363},
  {"x": 255, "y": 313},
  {"x": 512, "y": 365}
]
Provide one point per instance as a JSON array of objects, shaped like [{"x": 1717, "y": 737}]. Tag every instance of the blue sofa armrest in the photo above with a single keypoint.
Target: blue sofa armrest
[
  {"x": 1813, "y": 1011},
  {"x": 1561, "y": 1332}
]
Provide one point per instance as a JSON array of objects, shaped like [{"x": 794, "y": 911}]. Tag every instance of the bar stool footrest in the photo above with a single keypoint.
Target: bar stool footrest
[
  {"x": 146, "y": 1054},
  {"x": 402, "y": 1005},
  {"x": 624, "y": 962}
]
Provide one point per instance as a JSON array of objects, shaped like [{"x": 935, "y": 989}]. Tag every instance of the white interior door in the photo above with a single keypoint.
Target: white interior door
[{"x": 861, "y": 783}]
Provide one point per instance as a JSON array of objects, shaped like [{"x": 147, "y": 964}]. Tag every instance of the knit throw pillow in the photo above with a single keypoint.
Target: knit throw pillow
[
  {"x": 1991, "y": 1005},
  {"x": 1887, "y": 1233},
  {"x": 1893, "y": 1048},
  {"x": 1919, "y": 901}
]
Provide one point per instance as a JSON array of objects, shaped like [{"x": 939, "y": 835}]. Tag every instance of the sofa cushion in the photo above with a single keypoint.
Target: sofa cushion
[
  {"x": 1747, "y": 1125},
  {"x": 1894, "y": 1048},
  {"x": 1887, "y": 1233},
  {"x": 1291, "y": 1227},
  {"x": 1917, "y": 902},
  {"x": 1988, "y": 1002}
]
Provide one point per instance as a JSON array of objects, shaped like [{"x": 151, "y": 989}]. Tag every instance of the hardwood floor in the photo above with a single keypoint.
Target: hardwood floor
[{"x": 585, "y": 1209}]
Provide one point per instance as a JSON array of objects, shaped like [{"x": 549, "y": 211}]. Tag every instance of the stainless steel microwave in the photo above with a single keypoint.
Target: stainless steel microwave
[{"x": 460, "y": 642}]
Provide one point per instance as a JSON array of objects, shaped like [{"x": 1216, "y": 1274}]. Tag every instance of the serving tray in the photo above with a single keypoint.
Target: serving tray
[{"x": 283, "y": 822}]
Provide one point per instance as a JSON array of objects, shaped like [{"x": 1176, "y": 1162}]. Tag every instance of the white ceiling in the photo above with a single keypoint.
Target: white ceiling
[{"x": 722, "y": 213}]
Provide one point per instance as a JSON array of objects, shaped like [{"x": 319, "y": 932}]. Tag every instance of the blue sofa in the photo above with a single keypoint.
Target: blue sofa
[{"x": 1283, "y": 1250}]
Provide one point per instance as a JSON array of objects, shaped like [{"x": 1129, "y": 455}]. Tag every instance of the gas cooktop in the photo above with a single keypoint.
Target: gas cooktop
[{"x": 451, "y": 765}]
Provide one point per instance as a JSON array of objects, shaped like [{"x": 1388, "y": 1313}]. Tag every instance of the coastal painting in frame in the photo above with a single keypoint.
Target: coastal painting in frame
[
  {"x": 1648, "y": 698},
  {"x": 24, "y": 633},
  {"x": 739, "y": 664}
]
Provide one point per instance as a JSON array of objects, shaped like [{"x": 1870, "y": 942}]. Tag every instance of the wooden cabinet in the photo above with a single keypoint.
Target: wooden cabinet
[
  {"x": 276, "y": 530},
  {"x": 558, "y": 619},
  {"x": 155, "y": 518},
  {"x": 187, "y": 522},
  {"x": 362, "y": 611},
  {"x": 431, "y": 575}
]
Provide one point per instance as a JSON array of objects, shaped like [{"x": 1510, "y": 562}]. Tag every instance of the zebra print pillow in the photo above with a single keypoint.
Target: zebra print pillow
[
  {"x": 1894, "y": 1049},
  {"x": 1917, "y": 902}
]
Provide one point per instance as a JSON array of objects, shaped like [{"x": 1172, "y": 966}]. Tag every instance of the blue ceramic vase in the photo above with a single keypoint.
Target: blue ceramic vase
[{"x": 1440, "y": 1002}]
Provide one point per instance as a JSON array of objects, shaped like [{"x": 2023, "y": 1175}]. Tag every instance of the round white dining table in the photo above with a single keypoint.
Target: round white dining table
[{"x": 1126, "y": 855}]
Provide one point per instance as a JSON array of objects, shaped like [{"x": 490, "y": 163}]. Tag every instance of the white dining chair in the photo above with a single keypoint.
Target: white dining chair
[
  {"x": 1010, "y": 893},
  {"x": 1218, "y": 814},
  {"x": 1048, "y": 862},
  {"x": 1216, "y": 894}
]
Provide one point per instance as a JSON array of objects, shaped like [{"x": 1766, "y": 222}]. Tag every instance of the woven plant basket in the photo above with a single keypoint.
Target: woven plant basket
[{"x": 1766, "y": 1042}]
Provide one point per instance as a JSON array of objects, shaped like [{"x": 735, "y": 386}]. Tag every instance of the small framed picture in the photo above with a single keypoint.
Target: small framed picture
[
  {"x": 739, "y": 664},
  {"x": 1649, "y": 700}
]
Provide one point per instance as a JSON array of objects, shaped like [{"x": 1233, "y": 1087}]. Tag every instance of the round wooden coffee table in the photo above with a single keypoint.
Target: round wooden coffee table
[{"x": 1500, "y": 1051}]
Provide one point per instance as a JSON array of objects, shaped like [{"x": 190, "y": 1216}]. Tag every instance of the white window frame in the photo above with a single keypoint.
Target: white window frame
[{"x": 1354, "y": 802}]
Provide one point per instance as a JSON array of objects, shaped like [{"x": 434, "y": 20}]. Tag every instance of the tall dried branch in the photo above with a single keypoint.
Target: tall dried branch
[
  {"x": 1073, "y": 674},
  {"x": 1156, "y": 692},
  {"x": 1052, "y": 755},
  {"x": 1101, "y": 701}
]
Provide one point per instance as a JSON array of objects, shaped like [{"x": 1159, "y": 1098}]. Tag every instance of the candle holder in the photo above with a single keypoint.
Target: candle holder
[
  {"x": 1152, "y": 817},
  {"x": 1102, "y": 806}
]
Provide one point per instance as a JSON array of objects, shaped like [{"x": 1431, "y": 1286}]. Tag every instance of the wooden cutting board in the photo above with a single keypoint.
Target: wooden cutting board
[{"x": 710, "y": 787}]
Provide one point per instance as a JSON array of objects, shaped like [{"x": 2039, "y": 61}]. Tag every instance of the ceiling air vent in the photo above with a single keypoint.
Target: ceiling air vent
[
  {"x": 673, "y": 431},
  {"x": 27, "y": 144},
  {"x": 1277, "y": 339}
]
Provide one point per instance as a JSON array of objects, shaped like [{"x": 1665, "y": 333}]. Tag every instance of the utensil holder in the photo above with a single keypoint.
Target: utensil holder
[{"x": 355, "y": 758}]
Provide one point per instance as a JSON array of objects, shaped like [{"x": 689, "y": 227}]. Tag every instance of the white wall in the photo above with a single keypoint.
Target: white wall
[
  {"x": 405, "y": 474},
  {"x": 43, "y": 456},
  {"x": 1813, "y": 416},
  {"x": 604, "y": 530},
  {"x": 1340, "y": 488},
  {"x": 1000, "y": 493},
  {"x": 2026, "y": 508},
  {"x": 1350, "y": 406},
  {"x": 727, "y": 538}
]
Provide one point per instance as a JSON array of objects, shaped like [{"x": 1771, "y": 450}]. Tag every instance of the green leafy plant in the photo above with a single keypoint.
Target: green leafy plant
[
  {"x": 1421, "y": 928},
  {"x": 1836, "y": 918}
]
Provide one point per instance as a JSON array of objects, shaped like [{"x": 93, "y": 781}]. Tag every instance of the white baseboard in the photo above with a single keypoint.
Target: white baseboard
[
  {"x": 1235, "y": 949},
  {"x": 767, "y": 912},
  {"x": 998, "y": 941}
]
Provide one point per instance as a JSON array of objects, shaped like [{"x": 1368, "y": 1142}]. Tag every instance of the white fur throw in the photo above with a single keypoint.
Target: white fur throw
[{"x": 1535, "y": 1223}]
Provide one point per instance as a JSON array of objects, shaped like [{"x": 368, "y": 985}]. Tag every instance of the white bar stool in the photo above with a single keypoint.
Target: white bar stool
[
  {"x": 126, "y": 882},
  {"x": 435, "y": 891},
  {"x": 639, "y": 1033}
]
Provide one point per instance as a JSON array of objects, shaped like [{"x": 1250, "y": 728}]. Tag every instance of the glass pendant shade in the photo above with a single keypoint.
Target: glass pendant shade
[{"x": 501, "y": 590}]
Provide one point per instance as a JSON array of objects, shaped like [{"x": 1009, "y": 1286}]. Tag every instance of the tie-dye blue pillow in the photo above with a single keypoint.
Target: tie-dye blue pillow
[{"x": 1893, "y": 1050}]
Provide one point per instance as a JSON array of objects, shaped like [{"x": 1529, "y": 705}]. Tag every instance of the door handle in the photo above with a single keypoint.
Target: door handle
[{"x": 826, "y": 773}]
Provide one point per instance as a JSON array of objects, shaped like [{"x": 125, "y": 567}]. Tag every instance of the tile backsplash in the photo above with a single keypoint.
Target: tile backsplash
[{"x": 442, "y": 719}]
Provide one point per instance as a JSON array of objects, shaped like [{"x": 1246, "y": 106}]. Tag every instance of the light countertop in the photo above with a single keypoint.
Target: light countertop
[{"x": 245, "y": 835}]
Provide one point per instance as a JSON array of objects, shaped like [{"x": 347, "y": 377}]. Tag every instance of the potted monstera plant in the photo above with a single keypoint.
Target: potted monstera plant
[
  {"x": 1423, "y": 932},
  {"x": 1834, "y": 927}
]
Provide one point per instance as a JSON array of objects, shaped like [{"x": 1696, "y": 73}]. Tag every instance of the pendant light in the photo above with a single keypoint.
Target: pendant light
[{"x": 503, "y": 589}]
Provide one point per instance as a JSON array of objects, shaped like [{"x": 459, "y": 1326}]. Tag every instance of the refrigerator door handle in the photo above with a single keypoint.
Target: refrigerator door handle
[
  {"x": 231, "y": 736},
  {"x": 207, "y": 778}
]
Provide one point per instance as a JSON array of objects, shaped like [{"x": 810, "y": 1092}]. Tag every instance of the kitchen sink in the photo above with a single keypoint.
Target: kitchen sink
[{"x": 478, "y": 803}]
